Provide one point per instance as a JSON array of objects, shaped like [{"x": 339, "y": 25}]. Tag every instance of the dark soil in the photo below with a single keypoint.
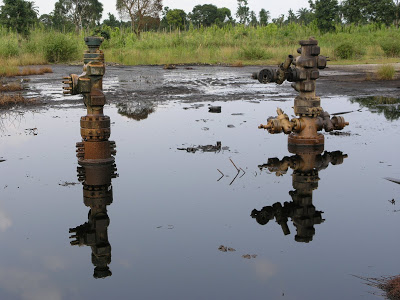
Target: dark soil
[{"x": 205, "y": 83}]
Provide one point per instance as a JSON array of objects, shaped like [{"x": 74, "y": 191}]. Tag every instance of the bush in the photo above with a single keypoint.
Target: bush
[
  {"x": 391, "y": 47},
  {"x": 254, "y": 53},
  {"x": 9, "y": 48},
  {"x": 60, "y": 48},
  {"x": 386, "y": 72},
  {"x": 345, "y": 51}
]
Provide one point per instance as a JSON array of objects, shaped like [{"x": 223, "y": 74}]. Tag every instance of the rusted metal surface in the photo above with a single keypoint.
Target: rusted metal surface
[
  {"x": 303, "y": 131},
  {"x": 306, "y": 165},
  {"x": 97, "y": 194},
  {"x": 95, "y": 126}
]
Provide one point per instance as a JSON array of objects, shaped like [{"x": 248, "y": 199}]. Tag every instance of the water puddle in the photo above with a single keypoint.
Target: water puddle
[{"x": 198, "y": 203}]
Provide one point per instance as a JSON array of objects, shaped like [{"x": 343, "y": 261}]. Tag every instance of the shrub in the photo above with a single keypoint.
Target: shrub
[
  {"x": 60, "y": 48},
  {"x": 345, "y": 51},
  {"x": 386, "y": 72},
  {"x": 9, "y": 48},
  {"x": 254, "y": 53},
  {"x": 391, "y": 47}
]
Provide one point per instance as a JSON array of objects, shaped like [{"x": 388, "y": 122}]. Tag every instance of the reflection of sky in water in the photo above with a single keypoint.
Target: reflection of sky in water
[{"x": 160, "y": 186}]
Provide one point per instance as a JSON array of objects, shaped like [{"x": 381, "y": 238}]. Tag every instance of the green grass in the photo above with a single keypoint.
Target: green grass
[
  {"x": 386, "y": 72},
  {"x": 231, "y": 45}
]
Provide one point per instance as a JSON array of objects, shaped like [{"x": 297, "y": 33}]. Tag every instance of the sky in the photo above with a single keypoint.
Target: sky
[{"x": 276, "y": 8}]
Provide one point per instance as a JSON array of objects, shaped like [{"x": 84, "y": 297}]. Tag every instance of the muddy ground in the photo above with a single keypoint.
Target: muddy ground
[{"x": 206, "y": 83}]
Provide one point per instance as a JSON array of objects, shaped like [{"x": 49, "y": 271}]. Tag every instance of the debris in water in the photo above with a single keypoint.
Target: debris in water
[
  {"x": 231, "y": 126},
  {"x": 390, "y": 285},
  {"x": 137, "y": 110},
  {"x": 214, "y": 109},
  {"x": 222, "y": 248},
  {"x": 169, "y": 67},
  {"x": 66, "y": 183},
  {"x": 206, "y": 148},
  {"x": 393, "y": 180},
  {"x": 340, "y": 133},
  {"x": 33, "y": 131},
  {"x": 248, "y": 256}
]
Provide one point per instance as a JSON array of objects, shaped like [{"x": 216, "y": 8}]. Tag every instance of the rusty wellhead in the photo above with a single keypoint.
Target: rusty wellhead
[
  {"x": 95, "y": 126},
  {"x": 306, "y": 165},
  {"x": 303, "y": 130},
  {"x": 97, "y": 194}
]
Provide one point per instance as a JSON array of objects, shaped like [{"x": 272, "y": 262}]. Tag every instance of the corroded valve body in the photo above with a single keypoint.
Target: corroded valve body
[
  {"x": 306, "y": 166},
  {"x": 95, "y": 126},
  {"x": 307, "y": 106},
  {"x": 97, "y": 194}
]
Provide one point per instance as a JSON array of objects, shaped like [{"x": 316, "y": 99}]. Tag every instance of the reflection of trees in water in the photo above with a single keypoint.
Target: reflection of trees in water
[
  {"x": 10, "y": 119},
  {"x": 390, "y": 107},
  {"x": 137, "y": 110}
]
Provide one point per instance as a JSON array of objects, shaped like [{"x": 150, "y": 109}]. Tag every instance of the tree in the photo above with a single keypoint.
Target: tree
[
  {"x": 291, "y": 17},
  {"x": 279, "y": 21},
  {"x": 264, "y": 17},
  {"x": 18, "y": 15},
  {"x": 397, "y": 13},
  {"x": 164, "y": 12},
  {"x": 326, "y": 13},
  {"x": 253, "y": 19},
  {"x": 205, "y": 15},
  {"x": 176, "y": 18},
  {"x": 82, "y": 13},
  {"x": 363, "y": 11},
  {"x": 243, "y": 12},
  {"x": 137, "y": 10},
  {"x": 224, "y": 14},
  {"x": 111, "y": 21},
  {"x": 305, "y": 16}
]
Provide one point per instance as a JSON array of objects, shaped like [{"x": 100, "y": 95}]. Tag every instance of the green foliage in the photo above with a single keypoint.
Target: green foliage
[
  {"x": 263, "y": 16},
  {"x": 243, "y": 11},
  {"x": 253, "y": 19},
  {"x": 82, "y": 13},
  {"x": 326, "y": 13},
  {"x": 111, "y": 21},
  {"x": 254, "y": 53},
  {"x": 18, "y": 15},
  {"x": 209, "y": 14},
  {"x": 9, "y": 48},
  {"x": 390, "y": 107},
  {"x": 60, "y": 48},
  {"x": 366, "y": 11},
  {"x": 345, "y": 51},
  {"x": 391, "y": 47},
  {"x": 386, "y": 72},
  {"x": 104, "y": 31},
  {"x": 176, "y": 18},
  {"x": 305, "y": 16}
]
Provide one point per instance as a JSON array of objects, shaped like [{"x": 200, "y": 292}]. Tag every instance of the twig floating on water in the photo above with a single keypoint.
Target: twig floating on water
[{"x": 234, "y": 165}]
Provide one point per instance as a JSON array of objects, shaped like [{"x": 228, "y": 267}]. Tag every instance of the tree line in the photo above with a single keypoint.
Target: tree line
[{"x": 77, "y": 15}]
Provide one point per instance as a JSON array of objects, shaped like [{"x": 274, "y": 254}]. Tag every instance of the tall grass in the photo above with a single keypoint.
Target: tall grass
[
  {"x": 386, "y": 72},
  {"x": 212, "y": 45}
]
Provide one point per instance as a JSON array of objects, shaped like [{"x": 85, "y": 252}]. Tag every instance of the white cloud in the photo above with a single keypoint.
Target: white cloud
[{"x": 28, "y": 285}]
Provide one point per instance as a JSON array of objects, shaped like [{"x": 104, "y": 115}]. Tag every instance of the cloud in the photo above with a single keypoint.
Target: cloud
[
  {"x": 265, "y": 269},
  {"x": 28, "y": 285},
  {"x": 5, "y": 221}
]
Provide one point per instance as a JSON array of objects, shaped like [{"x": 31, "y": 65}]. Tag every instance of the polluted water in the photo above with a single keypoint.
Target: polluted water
[{"x": 197, "y": 204}]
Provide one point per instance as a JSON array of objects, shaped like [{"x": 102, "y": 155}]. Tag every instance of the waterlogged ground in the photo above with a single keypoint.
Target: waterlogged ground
[{"x": 172, "y": 210}]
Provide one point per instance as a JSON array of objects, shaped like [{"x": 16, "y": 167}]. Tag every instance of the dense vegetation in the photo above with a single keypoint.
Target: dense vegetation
[{"x": 354, "y": 31}]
